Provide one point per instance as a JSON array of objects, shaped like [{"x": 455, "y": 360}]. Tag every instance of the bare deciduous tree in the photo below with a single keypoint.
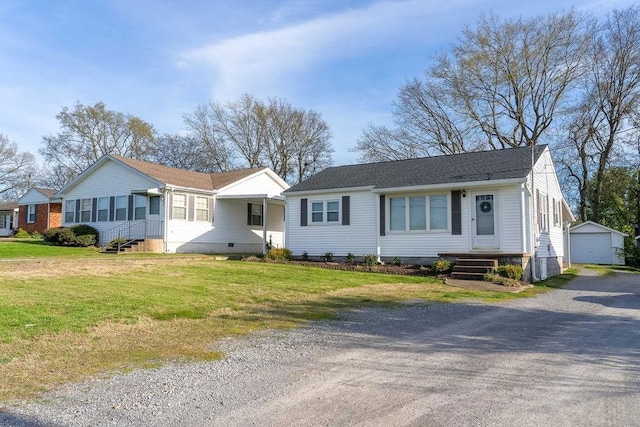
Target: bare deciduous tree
[
  {"x": 17, "y": 170},
  {"x": 250, "y": 133},
  {"x": 604, "y": 124},
  {"x": 500, "y": 86},
  {"x": 89, "y": 132}
]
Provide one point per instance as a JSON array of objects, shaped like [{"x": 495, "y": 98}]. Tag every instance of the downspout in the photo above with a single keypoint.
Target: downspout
[
  {"x": 568, "y": 228},
  {"x": 523, "y": 209},
  {"x": 165, "y": 246},
  {"x": 377, "y": 230},
  {"x": 264, "y": 225},
  {"x": 534, "y": 224}
]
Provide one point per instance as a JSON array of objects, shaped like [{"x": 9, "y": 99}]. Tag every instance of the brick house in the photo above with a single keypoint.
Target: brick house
[{"x": 39, "y": 210}]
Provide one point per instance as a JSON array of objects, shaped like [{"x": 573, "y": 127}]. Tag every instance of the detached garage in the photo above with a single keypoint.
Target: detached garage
[{"x": 592, "y": 243}]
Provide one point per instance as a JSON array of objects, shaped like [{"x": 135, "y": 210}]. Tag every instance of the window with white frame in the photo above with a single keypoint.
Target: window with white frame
[
  {"x": 557, "y": 219},
  {"x": 438, "y": 212},
  {"x": 255, "y": 212},
  {"x": 179, "y": 206},
  {"x": 103, "y": 208},
  {"x": 154, "y": 205},
  {"x": 419, "y": 213},
  {"x": 139, "y": 207},
  {"x": 69, "y": 211},
  {"x": 543, "y": 212},
  {"x": 397, "y": 214},
  {"x": 325, "y": 211},
  {"x": 202, "y": 208},
  {"x": 31, "y": 213},
  {"x": 121, "y": 208},
  {"x": 85, "y": 210}
]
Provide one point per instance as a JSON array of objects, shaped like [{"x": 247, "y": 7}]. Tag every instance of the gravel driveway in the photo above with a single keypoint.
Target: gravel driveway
[{"x": 569, "y": 357}]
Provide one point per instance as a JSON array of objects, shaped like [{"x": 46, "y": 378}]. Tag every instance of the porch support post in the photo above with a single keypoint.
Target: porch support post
[
  {"x": 378, "y": 225},
  {"x": 264, "y": 225}
]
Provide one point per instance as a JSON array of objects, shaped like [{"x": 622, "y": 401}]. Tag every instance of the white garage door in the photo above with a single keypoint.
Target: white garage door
[{"x": 593, "y": 248}]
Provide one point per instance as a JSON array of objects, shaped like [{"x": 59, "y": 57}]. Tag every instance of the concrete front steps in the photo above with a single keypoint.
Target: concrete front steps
[{"x": 473, "y": 268}]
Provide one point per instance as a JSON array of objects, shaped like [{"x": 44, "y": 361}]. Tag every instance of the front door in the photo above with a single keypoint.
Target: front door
[{"x": 484, "y": 221}]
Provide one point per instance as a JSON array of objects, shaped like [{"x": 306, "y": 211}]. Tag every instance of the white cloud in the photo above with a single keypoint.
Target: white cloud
[{"x": 256, "y": 61}]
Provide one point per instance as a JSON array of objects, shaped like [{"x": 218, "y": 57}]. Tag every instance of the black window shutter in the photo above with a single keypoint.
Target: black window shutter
[
  {"x": 94, "y": 210},
  {"x": 346, "y": 210},
  {"x": 130, "y": 210},
  {"x": 261, "y": 214},
  {"x": 248, "y": 213},
  {"x": 78, "y": 211},
  {"x": 303, "y": 212},
  {"x": 112, "y": 208},
  {"x": 382, "y": 215},
  {"x": 456, "y": 212}
]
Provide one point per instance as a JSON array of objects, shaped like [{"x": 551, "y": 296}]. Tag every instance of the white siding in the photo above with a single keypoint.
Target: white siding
[
  {"x": 33, "y": 197},
  {"x": 359, "y": 237},
  {"x": 229, "y": 226},
  {"x": 551, "y": 242},
  {"x": 510, "y": 219},
  {"x": 261, "y": 183},
  {"x": 110, "y": 179}
]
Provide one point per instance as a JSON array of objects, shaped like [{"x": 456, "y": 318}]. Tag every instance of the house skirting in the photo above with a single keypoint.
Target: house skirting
[{"x": 214, "y": 248}]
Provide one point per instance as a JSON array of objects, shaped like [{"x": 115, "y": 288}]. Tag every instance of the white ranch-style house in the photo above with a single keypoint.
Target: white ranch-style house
[
  {"x": 171, "y": 210},
  {"x": 502, "y": 204}
]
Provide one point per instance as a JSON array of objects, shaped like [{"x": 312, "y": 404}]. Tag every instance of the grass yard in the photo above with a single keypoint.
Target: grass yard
[
  {"x": 67, "y": 319},
  {"x": 33, "y": 248}
]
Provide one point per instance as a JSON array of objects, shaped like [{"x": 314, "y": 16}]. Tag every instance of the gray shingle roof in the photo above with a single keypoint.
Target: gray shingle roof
[{"x": 468, "y": 167}]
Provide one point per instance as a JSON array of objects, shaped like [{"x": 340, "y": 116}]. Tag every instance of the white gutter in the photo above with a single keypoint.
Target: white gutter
[
  {"x": 329, "y": 190},
  {"x": 449, "y": 185}
]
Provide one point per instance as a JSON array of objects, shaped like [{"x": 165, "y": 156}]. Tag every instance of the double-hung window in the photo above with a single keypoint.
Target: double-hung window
[
  {"x": 154, "y": 205},
  {"x": 325, "y": 211},
  {"x": 103, "y": 208},
  {"x": 556, "y": 212},
  {"x": 139, "y": 207},
  {"x": 179, "y": 206},
  {"x": 121, "y": 208},
  {"x": 543, "y": 212},
  {"x": 419, "y": 213},
  {"x": 31, "y": 213},
  {"x": 85, "y": 210},
  {"x": 202, "y": 208},
  {"x": 69, "y": 211}
]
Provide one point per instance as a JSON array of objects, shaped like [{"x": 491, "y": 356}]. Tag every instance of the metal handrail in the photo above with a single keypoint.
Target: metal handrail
[{"x": 130, "y": 231}]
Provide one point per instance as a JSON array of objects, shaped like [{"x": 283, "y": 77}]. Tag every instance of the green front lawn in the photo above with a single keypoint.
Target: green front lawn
[
  {"x": 32, "y": 248},
  {"x": 66, "y": 319}
]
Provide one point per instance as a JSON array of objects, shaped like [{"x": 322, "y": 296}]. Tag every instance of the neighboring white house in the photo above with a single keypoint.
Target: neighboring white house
[
  {"x": 594, "y": 243},
  {"x": 175, "y": 210},
  {"x": 8, "y": 218},
  {"x": 489, "y": 204}
]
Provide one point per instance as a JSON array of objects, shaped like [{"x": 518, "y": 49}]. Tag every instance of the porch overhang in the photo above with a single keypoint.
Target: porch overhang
[
  {"x": 276, "y": 199},
  {"x": 449, "y": 186}
]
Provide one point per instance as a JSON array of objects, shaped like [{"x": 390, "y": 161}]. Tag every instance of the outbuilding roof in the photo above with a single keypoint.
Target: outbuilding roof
[{"x": 492, "y": 165}]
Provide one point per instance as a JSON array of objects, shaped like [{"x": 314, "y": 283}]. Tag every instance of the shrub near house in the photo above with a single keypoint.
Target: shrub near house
[{"x": 79, "y": 235}]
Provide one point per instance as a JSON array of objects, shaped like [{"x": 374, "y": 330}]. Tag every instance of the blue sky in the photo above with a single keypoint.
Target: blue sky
[{"x": 159, "y": 59}]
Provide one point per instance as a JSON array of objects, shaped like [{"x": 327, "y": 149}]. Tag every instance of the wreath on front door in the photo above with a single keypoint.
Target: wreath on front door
[{"x": 485, "y": 207}]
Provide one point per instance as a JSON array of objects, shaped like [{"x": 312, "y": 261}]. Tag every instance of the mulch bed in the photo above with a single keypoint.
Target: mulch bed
[{"x": 404, "y": 269}]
